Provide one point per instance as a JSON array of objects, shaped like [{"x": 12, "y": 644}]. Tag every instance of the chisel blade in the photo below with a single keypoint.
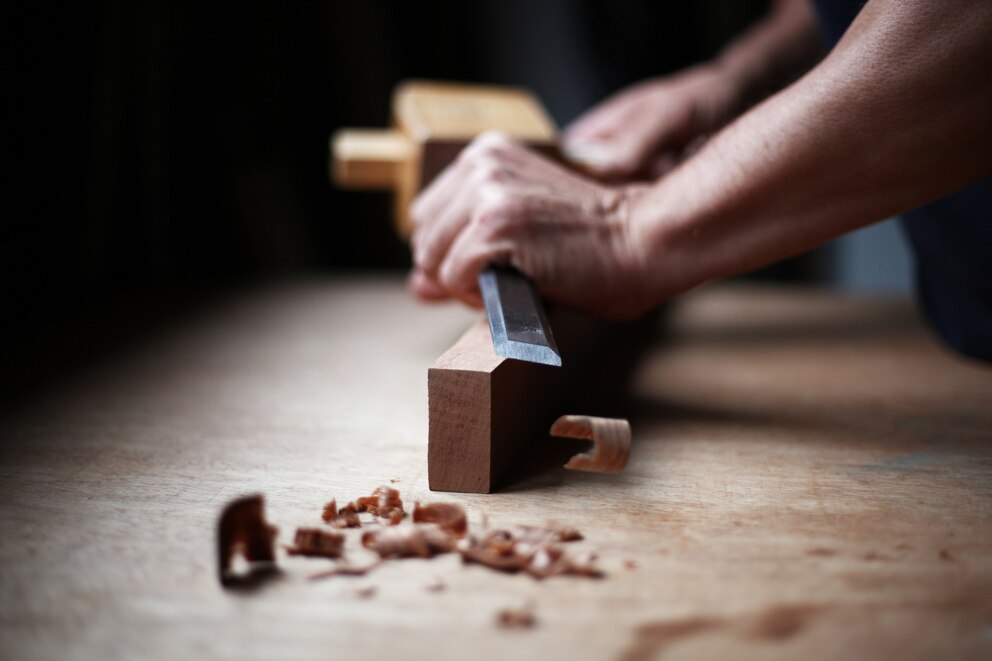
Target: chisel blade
[{"x": 517, "y": 320}]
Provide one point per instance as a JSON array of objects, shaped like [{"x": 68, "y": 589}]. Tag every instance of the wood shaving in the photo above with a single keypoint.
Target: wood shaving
[
  {"x": 449, "y": 516},
  {"x": 610, "y": 437},
  {"x": 330, "y": 511},
  {"x": 422, "y": 540},
  {"x": 366, "y": 591},
  {"x": 347, "y": 517},
  {"x": 243, "y": 531},
  {"x": 384, "y": 502},
  {"x": 313, "y": 542},
  {"x": 517, "y": 618},
  {"x": 529, "y": 549},
  {"x": 437, "y": 528}
]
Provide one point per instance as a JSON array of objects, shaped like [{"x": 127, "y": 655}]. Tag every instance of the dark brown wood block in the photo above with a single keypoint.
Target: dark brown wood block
[{"x": 483, "y": 407}]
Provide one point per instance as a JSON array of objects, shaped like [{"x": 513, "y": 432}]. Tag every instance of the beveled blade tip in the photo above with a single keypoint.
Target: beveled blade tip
[{"x": 532, "y": 353}]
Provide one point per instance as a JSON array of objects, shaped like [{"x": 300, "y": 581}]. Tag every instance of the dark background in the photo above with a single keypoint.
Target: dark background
[{"x": 171, "y": 149}]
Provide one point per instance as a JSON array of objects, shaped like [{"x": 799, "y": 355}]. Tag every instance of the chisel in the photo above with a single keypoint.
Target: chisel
[{"x": 517, "y": 320}]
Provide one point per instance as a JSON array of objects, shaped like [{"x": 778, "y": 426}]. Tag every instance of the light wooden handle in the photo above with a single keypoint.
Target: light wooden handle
[{"x": 369, "y": 158}]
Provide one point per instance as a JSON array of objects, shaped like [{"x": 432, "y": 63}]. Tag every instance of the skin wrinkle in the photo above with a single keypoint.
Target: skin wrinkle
[
  {"x": 852, "y": 194},
  {"x": 894, "y": 117}
]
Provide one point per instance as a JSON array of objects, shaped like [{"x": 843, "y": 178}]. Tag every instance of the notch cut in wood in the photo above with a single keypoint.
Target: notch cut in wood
[{"x": 483, "y": 408}]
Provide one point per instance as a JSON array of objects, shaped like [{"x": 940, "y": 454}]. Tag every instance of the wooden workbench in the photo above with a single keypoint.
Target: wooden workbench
[{"x": 811, "y": 478}]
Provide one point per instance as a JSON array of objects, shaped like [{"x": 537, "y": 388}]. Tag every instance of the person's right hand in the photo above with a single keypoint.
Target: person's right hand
[
  {"x": 502, "y": 203},
  {"x": 645, "y": 130}
]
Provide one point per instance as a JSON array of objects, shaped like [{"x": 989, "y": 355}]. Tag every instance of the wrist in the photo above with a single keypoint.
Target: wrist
[{"x": 672, "y": 236}]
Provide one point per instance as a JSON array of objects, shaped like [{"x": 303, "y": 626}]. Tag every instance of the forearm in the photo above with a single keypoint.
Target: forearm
[{"x": 897, "y": 115}]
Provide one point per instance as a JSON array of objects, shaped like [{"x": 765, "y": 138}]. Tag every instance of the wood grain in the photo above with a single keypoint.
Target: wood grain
[
  {"x": 482, "y": 408},
  {"x": 811, "y": 477}
]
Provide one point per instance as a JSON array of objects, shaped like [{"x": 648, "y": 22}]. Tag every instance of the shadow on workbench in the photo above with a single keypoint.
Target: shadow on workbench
[
  {"x": 872, "y": 318},
  {"x": 39, "y": 359}
]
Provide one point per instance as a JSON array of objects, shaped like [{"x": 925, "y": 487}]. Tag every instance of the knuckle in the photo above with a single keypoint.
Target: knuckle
[
  {"x": 489, "y": 170},
  {"x": 490, "y": 143},
  {"x": 495, "y": 219},
  {"x": 416, "y": 214},
  {"x": 491, "y": 194},
  {"x": 492, "y": 138},
  {"x": 448, "y": 276}
]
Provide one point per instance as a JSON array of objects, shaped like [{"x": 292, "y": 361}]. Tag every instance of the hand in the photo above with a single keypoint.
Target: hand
[
  {"x": 644, "y": 131},
  {"x": 502, "y": 203}
]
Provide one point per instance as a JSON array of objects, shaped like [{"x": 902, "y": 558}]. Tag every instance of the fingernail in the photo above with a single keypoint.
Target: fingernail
[{"x": 590, "y": 153}]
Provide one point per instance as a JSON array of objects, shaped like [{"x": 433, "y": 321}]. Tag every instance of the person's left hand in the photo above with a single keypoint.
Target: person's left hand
[{"x": 500, "y": 202}]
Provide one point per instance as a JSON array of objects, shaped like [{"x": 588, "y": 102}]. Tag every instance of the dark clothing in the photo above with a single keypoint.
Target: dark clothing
[{"x": 951, "y": 239}]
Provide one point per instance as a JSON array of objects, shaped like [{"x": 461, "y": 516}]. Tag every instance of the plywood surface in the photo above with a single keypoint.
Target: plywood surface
[{"x": 811, "y": 477}]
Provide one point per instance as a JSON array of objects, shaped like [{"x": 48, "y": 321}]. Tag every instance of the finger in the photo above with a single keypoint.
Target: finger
[
  {"x": 601, "y": 121},
  {"x": 470, "y": 253},
  {"x": 437, "y": 234},
  {"x": 425, "y": 287},
  {"x": 636, "y": 153},
  {"x": 619, "y": 160},
  {"x": 596, "y": 158},
  {"x": 661, "y": 164},
  {"x": 429, "y": 202}
]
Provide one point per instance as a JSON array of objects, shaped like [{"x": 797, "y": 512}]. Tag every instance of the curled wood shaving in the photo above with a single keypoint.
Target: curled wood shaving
[
  {"x": 441, "y": 528},
  {"x": 242, "y": 530},
  {"x": 449, "y": 516},
  {"x": 314, "y": 542},
  {"x": 383, "y": 502},
  {"x": 610, "y": 437},
  {"x": 347, "y": 517},
  {"x": 422, "y": 540},
  {"x": 498, "y": 557}
]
